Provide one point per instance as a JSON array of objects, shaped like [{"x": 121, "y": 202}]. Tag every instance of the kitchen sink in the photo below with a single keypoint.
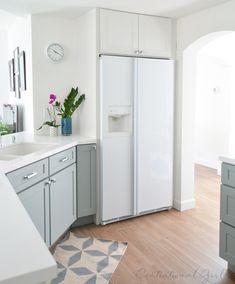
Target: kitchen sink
[
  {"x": 8, "y": 157},
  {"x": 22, "y": 149}
]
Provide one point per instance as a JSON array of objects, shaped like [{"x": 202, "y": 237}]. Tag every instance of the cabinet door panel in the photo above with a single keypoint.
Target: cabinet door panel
[
  {"x": 33, "y": 201},
  {"x": 118, "y": 32},
  {"x": 228, "y": 174},
  {"x": 86, "y": 173},
  {"x": 227, "y": 243},
  {"x": 227, "y": 208},
  {"x": 62, "y": 201},
  {"x": 154, "y": 36}
]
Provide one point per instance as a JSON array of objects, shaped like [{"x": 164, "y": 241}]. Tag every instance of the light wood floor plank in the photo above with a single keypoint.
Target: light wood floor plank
[{"x": 171, "y": 246}]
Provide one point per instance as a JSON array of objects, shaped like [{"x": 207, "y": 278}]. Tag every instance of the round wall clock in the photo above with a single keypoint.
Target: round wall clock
[{"x": 55, "y": 52}]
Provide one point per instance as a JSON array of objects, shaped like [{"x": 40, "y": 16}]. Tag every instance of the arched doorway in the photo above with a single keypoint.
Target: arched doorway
[{"x": 188, "y": 114}]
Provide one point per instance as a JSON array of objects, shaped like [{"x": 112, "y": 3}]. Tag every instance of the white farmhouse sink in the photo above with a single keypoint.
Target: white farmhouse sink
[{"x": 22, "y": 149}]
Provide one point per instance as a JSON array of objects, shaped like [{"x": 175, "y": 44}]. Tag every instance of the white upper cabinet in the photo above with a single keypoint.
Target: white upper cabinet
[
  {"x": 132, "y": 34},
  {"x": 118, "y": 32},
  {"x": 154, "y": 36}
]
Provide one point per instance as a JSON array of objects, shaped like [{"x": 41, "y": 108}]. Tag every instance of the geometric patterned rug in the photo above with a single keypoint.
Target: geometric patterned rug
[{"x": 86, "y": 260}]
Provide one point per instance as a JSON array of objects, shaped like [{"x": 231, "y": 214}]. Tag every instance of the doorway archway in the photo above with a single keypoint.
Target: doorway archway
[{"x": 188, "y": 116}]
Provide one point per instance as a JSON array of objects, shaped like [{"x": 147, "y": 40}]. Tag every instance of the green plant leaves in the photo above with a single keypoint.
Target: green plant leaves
[{"x": 71, "y": 103}]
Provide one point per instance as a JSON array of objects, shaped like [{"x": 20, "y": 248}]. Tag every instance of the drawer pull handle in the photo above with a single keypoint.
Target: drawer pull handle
[
  {"x": 29, "y": 176},
  {"x": 228, "y": 174},
  {"x": 64, "y": 159}
]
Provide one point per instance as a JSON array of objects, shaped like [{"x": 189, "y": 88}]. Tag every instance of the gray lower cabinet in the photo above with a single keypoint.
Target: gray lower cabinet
[
  {"x": 227, "y": 243},
  {"x": 47, "y": 189},
  {"x": 33, "y": 200},
  {"x": 62, "y": 201},
  {"x": 227, "y": 215},
  {"x": 86, "y": 180}
]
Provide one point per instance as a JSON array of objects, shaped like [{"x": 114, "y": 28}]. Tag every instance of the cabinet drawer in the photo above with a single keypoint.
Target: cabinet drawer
[
  {"x": 61, "y": 160},
  {"x": 29, "y": 175},
  {"x": 227, "y": 205},
  {"x": 227, "y": 243},
  {"x": 228, "y": 174}
]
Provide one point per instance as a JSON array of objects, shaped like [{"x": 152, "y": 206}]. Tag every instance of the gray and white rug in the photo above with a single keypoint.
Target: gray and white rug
[{"x": 85, "y": 260}]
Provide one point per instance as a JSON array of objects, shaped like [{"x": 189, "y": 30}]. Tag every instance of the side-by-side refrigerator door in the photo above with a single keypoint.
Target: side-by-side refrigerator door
[
  {"x": 154, "y": 134},
  {"x": 117, "y": 89}
]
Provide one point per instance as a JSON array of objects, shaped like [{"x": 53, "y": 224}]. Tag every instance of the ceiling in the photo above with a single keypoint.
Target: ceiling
[{"x": 168, "y": 8}]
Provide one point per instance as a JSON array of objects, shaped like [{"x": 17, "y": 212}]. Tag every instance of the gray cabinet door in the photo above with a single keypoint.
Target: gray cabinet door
[
  {"x": 227, "y": 243},
  {"x": 33, "y": 201},
  {"x": 228, "y": 174},
  {"x": 86, "y": 180},
  {"x": 62, "y": 201},
  {"x": 227, "y": 205}
]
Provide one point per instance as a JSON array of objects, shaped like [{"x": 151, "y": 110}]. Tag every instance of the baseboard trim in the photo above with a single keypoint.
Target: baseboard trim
[
  {"x": 87, "y": 220},
  {"x": 184, "y": 205},
  {"x": 209, "y": 164}
]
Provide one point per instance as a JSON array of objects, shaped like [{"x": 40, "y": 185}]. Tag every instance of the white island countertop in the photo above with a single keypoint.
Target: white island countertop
[
  {"x": 228, "y": 159},
  {"x": 24, "y": 257}
]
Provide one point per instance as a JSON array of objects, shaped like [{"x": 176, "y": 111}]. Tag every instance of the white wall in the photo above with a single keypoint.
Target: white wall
[
  {"x": 4, "y": 71},
  {"x": 190, "y": 29},
  {"x": 87, "y": 71},
  {"x": 77, "y": 36},
  {"x": 212, "y": 118},
  {"x": 19, "y": 35},
  {"x": 49, "y": 77}
]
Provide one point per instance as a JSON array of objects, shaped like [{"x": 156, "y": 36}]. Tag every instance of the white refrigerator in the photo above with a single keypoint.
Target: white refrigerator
[{"x": 136, "y": 138}]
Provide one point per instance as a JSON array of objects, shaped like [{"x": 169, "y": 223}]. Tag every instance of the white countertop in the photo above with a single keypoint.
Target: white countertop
[
  {"x": 228, "y": 159},
  {"x": 24, "y": 257}
]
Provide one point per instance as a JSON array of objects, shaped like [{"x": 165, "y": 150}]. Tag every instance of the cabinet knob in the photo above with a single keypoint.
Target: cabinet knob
[
  {"x": 141, "y": 52},
  {"x": 94, "y": 147},
  {"x": 136, "y": 52},
  {"x": 48, "y": 182},
  {"x": 53, "y": 180}
]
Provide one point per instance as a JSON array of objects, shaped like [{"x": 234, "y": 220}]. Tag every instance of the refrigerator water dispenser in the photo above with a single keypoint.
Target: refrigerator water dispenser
[{"x": 120, "y": 119}]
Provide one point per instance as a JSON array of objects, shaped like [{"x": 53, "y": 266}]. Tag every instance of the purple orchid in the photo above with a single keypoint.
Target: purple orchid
[{"x": 52, "y": 98}]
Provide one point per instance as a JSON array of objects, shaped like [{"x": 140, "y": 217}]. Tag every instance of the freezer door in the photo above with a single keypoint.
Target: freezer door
[
  {"x": 117, "y": 90},
  {"x": 154, "y": 134}
]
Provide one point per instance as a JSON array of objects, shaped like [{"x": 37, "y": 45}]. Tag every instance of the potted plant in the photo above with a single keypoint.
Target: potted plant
[
  {"x": 66, "y": 110},
  {"x": 51, "y": 110}
]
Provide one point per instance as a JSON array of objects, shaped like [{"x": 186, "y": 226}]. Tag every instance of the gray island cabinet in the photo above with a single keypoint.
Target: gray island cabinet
[
  {"x": 52, "y": 188},
  {"x": 227, "y": 215}
]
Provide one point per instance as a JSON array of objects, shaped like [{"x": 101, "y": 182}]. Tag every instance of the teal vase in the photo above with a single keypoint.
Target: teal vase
[{"x": 66, "y": 126}]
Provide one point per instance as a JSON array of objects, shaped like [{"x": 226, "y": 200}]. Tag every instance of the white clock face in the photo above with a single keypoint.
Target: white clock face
[{"x": 55, "y": 52}]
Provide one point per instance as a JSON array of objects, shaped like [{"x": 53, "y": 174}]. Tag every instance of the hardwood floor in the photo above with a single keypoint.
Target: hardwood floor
[{"x": 171, "y": 246}]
